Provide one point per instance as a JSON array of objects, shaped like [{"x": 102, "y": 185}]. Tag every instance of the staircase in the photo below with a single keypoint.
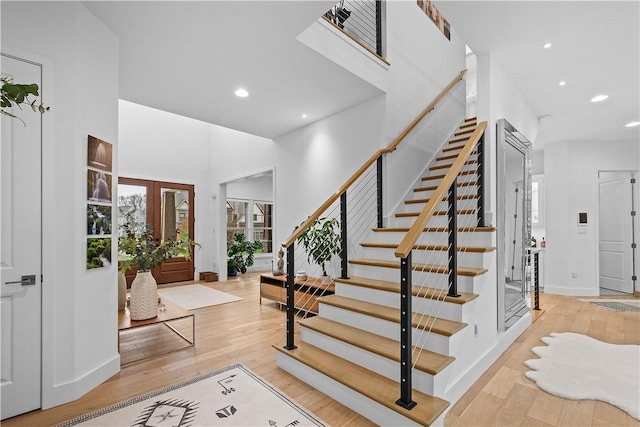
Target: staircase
[{"x": 350, "y": 351}]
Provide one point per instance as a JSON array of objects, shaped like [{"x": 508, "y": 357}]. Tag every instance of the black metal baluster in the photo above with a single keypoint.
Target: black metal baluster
[
  {"x": 536, "y": 282},
  {"x": 379, "y": 27},
  {"x": 480, "y": 182},
  {"x": 452, "y": 213},
  {"x": 379, "y": 190},
  {"x": 343, "y": 235}
]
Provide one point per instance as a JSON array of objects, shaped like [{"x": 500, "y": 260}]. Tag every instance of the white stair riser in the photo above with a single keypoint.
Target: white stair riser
[
  {"x": 466, "y": 220},
  {"x": 379, "y": 414},
  {"x": 427, "y": 306},
  {"x": 436, "y": 238},
  {"x": 466, "y": 259},
  {"x": 432, "y": 342},
  {"x": 465, "y": 283},
  {"x": 421, "y": 381}
]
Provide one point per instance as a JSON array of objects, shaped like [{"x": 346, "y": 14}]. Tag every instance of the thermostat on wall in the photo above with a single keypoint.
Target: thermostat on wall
[{"x": 582, "y": 218}]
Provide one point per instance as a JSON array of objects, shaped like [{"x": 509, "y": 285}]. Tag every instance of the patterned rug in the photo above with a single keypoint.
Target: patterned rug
[
  {"x": 629, "y": 304},
  {"x": 231, "y": 396}
]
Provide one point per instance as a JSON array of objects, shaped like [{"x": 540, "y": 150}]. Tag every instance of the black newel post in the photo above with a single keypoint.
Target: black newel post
[
  {"x": 291, "y": 271},
  {"x": 405, "y": 334}
]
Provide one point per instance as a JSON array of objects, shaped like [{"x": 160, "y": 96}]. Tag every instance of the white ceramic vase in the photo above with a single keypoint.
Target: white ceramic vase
[
  {"x": 144, "y": 297},
  {"x": 122, "y": 290}
]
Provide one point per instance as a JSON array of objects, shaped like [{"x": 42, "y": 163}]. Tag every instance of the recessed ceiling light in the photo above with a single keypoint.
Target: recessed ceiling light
[
  {"x": 304, "y": 116},
  {"x": 632, "y": 124},
  {"x": 599, "y": 98},
  {"x": 562, "y": 83},
  {"x": 546, "y": 45},
  {"x": 241, "y": 93}
]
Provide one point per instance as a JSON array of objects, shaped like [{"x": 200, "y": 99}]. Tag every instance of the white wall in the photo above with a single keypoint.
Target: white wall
[
  {"x": 163, "y": 146},
  {"x": 80, "y": 57},
  {"x": 571, "y": 186},
  {"x": 260, "y": 188}
]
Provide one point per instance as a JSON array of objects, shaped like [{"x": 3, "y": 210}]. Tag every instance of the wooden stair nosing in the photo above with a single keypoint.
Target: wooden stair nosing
[
  {"x": 471, "y": 119},
  {"x": 453, "y": 156},
  {"x": 417, "y": 291},
  {"x": 427, "y": 361},
  {"x": 437, "y": 229},
  {"x": 437, "y": 213},
  {"x": 370, "y": 384},
  {"x": 468, "y": 249},
  {"x": 453, "y": 148},
  {"x": 448, "y": 165},
  {"x": 432, "y": 177},
  {"x": 464, "y": 132},
  {"x": 433, "y": 187},
  {"x": 420, "y": 267},
  {"x": 436, "y": 325},
  {"x": 468, "y": 124},
  {"x": 444, "y": 199}
]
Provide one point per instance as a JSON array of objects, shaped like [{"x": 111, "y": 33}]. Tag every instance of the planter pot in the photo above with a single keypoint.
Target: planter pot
[
  {"x": 144, "y": 297},
  {"x": 122, "y": 290}
]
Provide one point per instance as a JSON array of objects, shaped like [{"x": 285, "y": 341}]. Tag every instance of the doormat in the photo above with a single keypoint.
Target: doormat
[
  {"x": 578, "y": 367},
  {"x": 191, "y": 297},
  {"x": 616, "y": 304},
  {"x": 231, "y": 396}
]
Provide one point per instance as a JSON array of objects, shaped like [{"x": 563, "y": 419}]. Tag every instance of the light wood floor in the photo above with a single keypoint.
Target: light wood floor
[{"x": 244, "y": 331}]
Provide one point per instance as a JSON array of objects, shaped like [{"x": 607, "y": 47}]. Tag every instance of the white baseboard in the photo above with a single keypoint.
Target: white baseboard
[
  {"x": 571, "y": 291},
  {"x": 70, "y": 391}
]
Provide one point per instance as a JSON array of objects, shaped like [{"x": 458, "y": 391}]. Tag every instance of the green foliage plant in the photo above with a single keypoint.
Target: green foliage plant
[
  {"x": 321, "y": 241},
  {"x": 17, "y": 94},
  {"x": 137, "y": 247},
  {"x": 240, "y": 253}
]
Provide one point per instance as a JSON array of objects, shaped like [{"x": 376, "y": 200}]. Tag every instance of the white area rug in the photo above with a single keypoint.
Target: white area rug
[
  {"x": 191, "y": 297},
  {"x": 577, "y": 367},
  {"x": 232, "y": 396}
]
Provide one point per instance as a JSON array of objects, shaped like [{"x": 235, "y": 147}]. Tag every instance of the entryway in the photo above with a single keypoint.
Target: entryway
[{"x": 169, "y": 209}]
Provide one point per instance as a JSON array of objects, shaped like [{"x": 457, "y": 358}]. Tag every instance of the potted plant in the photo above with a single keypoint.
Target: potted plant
[
  {"x": 321, "y": 241},
  {"x": 16, "y": 94},
  {"x": 137, "y": 247},
  {"x": 240, "y": 253}
]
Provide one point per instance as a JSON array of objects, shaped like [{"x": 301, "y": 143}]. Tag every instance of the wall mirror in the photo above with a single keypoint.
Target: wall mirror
[{"x": 514, "y": 217}]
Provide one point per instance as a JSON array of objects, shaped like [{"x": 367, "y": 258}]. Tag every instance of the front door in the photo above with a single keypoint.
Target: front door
[
  {"x": 616, "y": 231},
  {"x": 20, "y": 250},
  {"x": 168, "y": 208}
]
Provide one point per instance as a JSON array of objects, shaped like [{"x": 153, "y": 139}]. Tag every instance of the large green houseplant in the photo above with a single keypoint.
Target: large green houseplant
[
  {"x": 240, "y": 252},
  {"x": 321, "y": 241}
]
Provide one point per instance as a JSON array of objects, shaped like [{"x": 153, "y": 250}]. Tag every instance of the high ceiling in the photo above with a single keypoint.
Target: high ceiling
[
  {"x": 595, "y": 50},
  {"x": 189, "y": 57}
]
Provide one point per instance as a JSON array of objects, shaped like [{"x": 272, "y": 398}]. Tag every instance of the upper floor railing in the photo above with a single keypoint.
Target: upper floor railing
[{"x": 361, "y": 20}]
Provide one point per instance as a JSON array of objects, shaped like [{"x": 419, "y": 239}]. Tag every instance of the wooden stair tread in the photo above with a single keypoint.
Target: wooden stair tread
[
  {"x": 440, "y": 176},
  {"x": 438, "y": 229},
  {"x": 452, "y": 156},
  {"x": 475, "y": 249},
  {"x": 423, "y": 292},
  {"x": 448, "y": 165},
  {"x": 433, "y": 187},
  {"x": 440, "y": 213},
  {"x": 471, "y": 119},
  {"x": 444, "y": 199},
  {"x": 437, "y": 326},
  {"x": 431, "y": 268},
  {"x": 453, "y": 148},
  {"x": 368, "y": 383},
  {"x": 426, "y": 361}
]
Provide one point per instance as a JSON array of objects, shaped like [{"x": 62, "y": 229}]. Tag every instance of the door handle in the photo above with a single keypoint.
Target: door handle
[{"x": 29, "y": 280}]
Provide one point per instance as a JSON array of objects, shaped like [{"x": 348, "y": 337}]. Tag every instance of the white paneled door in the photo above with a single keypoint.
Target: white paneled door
[
  {"x": 20, "y": 250},
  {"x": 615, "y": 231}
]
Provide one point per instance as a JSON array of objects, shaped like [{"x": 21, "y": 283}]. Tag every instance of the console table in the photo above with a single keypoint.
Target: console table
[
  {"x": 306, "y": 291},
  {"x": 169, "y": 317}
]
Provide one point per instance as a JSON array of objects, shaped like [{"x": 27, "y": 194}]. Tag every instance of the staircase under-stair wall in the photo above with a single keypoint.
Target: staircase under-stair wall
[{"x": 351, "y": 349}]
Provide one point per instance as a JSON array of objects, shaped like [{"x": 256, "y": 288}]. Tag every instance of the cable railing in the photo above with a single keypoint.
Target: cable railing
[
  {"x": 433, "y": 219},
  {"x": 361, "y": 20},
  {"x": 319, "y": 249}
]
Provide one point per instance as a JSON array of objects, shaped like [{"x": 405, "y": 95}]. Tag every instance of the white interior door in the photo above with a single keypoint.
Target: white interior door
[
  {"x": 20, "y": 251},
  {"x": 615, "y": 231}
]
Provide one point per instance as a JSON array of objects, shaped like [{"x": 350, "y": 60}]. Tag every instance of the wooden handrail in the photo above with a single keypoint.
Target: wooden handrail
[
  {"x": 414, "y": 232},
  {"x": 298, "y": 231}
]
